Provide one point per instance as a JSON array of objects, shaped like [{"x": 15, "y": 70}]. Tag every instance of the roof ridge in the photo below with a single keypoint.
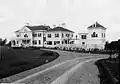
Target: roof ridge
[
  {"x": 96, "y": 24},
  {"x": 59, "y": 28},
  {"x": 39, "y": 27}
]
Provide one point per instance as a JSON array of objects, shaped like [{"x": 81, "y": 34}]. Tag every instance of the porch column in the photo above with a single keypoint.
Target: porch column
[
  {"x": 31, "y": 40},
  {"x": 12, "y": 44},
  {"x": 15, "y": 42},
  {"x": 68, "y": 41}
]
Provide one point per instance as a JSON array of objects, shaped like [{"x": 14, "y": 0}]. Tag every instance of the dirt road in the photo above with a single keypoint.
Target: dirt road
[{"x": 80, "y": 74}]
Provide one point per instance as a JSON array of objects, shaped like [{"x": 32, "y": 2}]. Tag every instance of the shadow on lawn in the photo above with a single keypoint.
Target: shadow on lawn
[{"x": 13, "y": 61}]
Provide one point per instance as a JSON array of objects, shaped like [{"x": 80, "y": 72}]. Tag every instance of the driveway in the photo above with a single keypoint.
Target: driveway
[{"x": 84, "y": 72}]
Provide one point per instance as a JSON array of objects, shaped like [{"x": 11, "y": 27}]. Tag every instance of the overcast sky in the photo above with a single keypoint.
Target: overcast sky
[{"x": 77, "y": 14}]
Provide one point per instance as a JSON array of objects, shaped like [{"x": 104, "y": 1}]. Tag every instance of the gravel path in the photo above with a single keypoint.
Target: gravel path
[
  {"x": 81, "y": 73},
  {"x": 87, "y": 74}
]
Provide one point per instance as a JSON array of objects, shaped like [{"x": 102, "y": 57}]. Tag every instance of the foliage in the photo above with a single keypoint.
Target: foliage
[
  {"x": 14, "y": 61},
  {"x": 3, "y": 42},
  {"x": 114, "y": 45}
]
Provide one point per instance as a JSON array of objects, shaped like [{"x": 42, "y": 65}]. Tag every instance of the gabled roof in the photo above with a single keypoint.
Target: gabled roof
[
  {"x": 96, "y": 25},
  {"x": 60, "y": 29},
  {"x": 41, "y": 27},
  {"x": 17, "y": 31}
]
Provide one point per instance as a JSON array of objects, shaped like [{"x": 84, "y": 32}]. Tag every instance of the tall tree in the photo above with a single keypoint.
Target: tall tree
[{"x": 107, "y": 45}]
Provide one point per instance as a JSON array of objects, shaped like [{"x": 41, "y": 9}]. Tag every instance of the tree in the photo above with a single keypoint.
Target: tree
[
  {"x": 119, "y": 48},
  {"x": 106, "y": 45},
  {"x": 114, "y": 47},
  {"x": 3, "y": 42}
]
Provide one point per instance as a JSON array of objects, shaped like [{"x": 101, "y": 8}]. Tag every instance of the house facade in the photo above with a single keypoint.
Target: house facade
[
  {"x": 95, "y": 37},
  {"x": 44, "y": 36},
  {"x": 58, "y": 36},
  {"x": 41, "y": 36},
  {"x": 30, "y": 36}
]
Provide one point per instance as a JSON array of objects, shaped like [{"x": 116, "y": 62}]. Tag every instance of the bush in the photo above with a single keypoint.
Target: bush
[
  {"x": 17, "y": 47},
  {"x": 109, "y": 73},
  {"x": 33, "y": 47},
  {"x": 47, "y": 53}
]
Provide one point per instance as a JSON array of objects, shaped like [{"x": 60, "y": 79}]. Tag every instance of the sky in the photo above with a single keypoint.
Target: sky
[{"x": 77, "y": 14}]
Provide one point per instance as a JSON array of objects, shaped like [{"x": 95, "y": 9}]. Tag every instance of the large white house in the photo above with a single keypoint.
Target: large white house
[
  {"x": 30, "y": 36},
  {"x": 44, "y": 36},
  {"x": 41, "y": 36}
]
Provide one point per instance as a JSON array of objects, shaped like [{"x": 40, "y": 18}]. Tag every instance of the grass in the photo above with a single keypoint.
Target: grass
[
  {"x": 109, "y": 71},
  {"x": 13, "y": 61}
]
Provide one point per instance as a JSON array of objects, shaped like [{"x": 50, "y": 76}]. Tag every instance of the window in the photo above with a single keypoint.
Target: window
[
  {"x": 94, "y": 35},
  {"x": 56, "y": 42},
  {"x": 57, "y": 35},
  {"x": 39, "y": 34},
  {"x": 62, "y": 42},
  {"x": 17, "y": 42},
  {"x": 66, "y": 41},
  {"x": 83, "y": 43},
  {"x": 25, "y": 35},
  {"x": 72, "y": 35},
  {"x": 13, "y": 42},
  {"x": 67, "y": 35},
  {"x": 83, "y": 36},
  {"x": 104, "y": 34},
  {"x": 34, "y": 41},
  {"x": 49, "y": 35},
  {"x": 44, "y": 38},
  {"x": 28, "y": 41},
  {"x": 49, "y": 42},
  {"x": 39, "y": 41},
  {"x": 34, "y": 35}
]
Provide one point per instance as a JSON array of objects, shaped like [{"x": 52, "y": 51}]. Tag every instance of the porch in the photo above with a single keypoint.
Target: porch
[{"x": 18, "y": 42}]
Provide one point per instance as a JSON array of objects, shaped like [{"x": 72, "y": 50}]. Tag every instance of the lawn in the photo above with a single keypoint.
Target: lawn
[
  {"x": 109, "y": 71},
  {"x": 13, "y": 61}
]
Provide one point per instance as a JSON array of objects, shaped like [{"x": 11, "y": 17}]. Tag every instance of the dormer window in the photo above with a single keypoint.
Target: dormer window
[{"x": 94, "y": 34}]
